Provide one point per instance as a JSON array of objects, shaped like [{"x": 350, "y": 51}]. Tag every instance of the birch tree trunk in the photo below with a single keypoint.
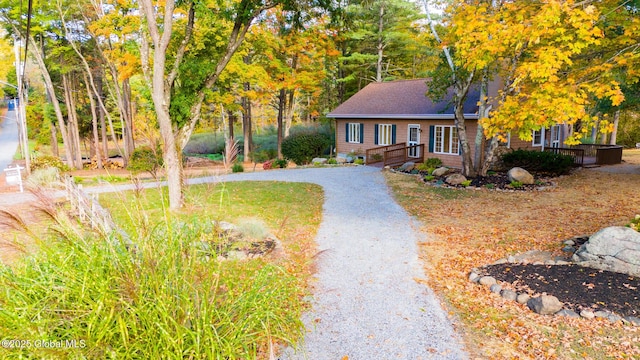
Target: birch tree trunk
[
  {"x": 246, "y": 123},
  {"x": 614, "y": 134}
]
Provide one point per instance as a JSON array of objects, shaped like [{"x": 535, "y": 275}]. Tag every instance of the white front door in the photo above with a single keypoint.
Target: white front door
[{"x": 414, "y": 139}]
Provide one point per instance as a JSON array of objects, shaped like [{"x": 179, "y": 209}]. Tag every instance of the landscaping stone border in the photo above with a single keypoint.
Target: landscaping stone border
[
  {"x": 541, "y": 303},
  {"x": 547, "y": 187}
]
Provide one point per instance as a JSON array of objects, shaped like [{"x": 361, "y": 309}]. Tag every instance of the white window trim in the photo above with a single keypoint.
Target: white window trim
[
  {"x": 533, "y": 140},
  {"x": 385, "y": 129},
  {"x": 354, "y": 133},
  {"x": 438, "y": 147}
]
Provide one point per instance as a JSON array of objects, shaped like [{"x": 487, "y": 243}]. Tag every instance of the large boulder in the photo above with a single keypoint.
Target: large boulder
[
  {"x": 408, "y": 166},
  {"x": 441, "y": 171},
  {"x": 616, "y": 248},
  {"x": 545, "y": 304},
  {"x": 455, "y": 179},
  {"x": 521, "y": 175},
  {"x": 319, "y": 161}
]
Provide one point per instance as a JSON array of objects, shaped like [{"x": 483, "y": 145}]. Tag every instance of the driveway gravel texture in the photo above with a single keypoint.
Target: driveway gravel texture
[{"x": 367, "y": 303}]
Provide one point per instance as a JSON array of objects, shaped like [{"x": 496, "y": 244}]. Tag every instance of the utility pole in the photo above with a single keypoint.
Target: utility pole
[{"x": 22, "y": 107}]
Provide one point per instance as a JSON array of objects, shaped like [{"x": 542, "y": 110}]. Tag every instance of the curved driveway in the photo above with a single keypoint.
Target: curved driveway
[{"x": 367, "y": 304}]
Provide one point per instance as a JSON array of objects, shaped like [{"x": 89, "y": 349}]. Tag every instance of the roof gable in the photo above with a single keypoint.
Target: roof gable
[{"x": 404, "y": 99}]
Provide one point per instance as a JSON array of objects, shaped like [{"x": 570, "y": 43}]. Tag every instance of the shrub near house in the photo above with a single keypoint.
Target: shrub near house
[{"x": 302, "y": 147}]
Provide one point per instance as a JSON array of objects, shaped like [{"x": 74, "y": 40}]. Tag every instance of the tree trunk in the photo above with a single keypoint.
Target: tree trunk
[
  {"x": 289, "y": 111},
  {"x": 246, "y": 123},
  {"x": 55, "y": 150},
  {"x": 380, "y": 44},
  {"x": 614, "y": 134},
  {"x": 282, "y": 99},
  {"x": 94, "y": 124},
  {"x": 467, "y": 162},
  {"x": 51, "y": 92},
  {"x": 483, "y": 111},
  {"x": 232, "y": 119},
  {"x": 73, "y": 129},
  {"x": 101, "y": 116},
  {"x": 161, "y": 95},
  {"x": 127, "y": 117}
]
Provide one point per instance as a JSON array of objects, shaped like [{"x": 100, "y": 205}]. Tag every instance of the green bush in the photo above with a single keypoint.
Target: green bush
[
  {"x": 538, "y": 161},
  {"x": 47, "y": 161},
  {"x": 358, "y": 161},
  {"x": 635, "y": 223},
  {"x": 280, "y": 163},
  {"x": 145, "y": 159},
  {"x": 237, "y": 167},
  {"x": 332, "y": 161},
  {"x": 302, "y": 147},
  {"x": 433, "y": 163}
]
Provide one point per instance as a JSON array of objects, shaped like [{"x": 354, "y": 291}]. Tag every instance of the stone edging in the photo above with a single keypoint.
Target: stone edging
[{"x": 544, "y": 304}]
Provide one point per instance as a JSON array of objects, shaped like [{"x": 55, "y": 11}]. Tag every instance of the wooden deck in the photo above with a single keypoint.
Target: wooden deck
[
  {"x": 591, "y": 154},
  {"x": 396, "y": 154}
]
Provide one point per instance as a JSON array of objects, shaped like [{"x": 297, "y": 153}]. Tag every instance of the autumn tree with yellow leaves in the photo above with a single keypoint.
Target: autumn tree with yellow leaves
[{"x": 536, "y": 49}]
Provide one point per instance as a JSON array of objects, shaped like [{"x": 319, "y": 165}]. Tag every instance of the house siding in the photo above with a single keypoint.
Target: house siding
[{"x": 402, "y": 131}]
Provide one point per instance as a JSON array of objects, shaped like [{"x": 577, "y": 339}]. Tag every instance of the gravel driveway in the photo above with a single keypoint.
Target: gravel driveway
[{"x": 367, "y": 304}]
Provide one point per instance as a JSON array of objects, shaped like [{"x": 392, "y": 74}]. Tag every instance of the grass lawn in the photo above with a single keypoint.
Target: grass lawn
[
  {"x": 467, "y": 229},
  {"x": 80, "y": 295}
]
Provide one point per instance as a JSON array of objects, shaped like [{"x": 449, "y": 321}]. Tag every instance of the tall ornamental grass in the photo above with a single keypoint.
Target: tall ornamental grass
[{"x": 86, "y": 296}]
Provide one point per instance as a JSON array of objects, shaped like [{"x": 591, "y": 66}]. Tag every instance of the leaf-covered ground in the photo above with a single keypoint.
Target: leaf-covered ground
[{"x": 466, "y": 229}]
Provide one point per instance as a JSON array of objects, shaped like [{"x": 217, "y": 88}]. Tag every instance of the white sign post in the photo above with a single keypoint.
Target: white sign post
[{"x": 13, "y": 176}]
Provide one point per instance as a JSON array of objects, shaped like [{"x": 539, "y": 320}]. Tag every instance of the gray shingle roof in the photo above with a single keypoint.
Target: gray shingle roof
[{"x": 404, "y": 99}]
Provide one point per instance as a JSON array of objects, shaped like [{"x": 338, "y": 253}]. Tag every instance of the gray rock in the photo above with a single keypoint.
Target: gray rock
[
  {"x": 562, "y": 262},
  {"x": 500, "y": 261},
  {"x": 341, "y": 160},
  {"x": 614, "y": 318},
  {"x": 568, "y": 249},
  {"x": 521, "y": 175},
  {"x": 633, "y": 320},
  {"x": 545, "y": 304},
  {"x": 487, "y": 281},
  {"x": 408, "y": 166},
  {"x": 570, "y": 242},
  {"x": 587, "y": 314},
  {"x": 496, "y": 288},
  {"x": 602, "y": 314},
  {"x": 511, "y": 259},
  {"x": 523, "y": 298},
  {"x": 509, "y": 295},
  {"x": 319, "y": 161},
  {"x": 441, "y": 171},
  {"x": 455, "y": 179},
  {"x": 473, "y": 277},
  {"x": 615, "y": 248},
  {"x": 567, "y": 313}
]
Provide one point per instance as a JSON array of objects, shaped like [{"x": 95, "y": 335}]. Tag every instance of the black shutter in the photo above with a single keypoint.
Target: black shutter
[
  {"x": 361, "y": 133},
  {"x": 375, "y": 134},
  {"x": 393, "y": 134},
  {"x": 432, "y": 137}
]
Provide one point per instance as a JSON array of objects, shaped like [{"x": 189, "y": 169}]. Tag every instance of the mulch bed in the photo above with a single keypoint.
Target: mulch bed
[
  {"x": 576, "y": 286},
  {"x": 498, "y": 181}
]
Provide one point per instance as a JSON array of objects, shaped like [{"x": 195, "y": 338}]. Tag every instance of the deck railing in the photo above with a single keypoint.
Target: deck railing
[
  {"x": 376, "y": 154},
  {"x": 609, "y": 155},
  {"x": 413, "y": 153},
  {"x": 576, "y": 154}
]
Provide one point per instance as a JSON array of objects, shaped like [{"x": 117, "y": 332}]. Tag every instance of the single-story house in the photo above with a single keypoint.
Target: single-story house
[{"x": 394, "y": 115}]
